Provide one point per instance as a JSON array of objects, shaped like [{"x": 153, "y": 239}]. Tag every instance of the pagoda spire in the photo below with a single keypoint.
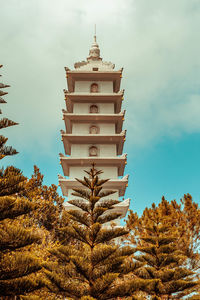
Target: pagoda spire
[{"x": 94, "y": 53}]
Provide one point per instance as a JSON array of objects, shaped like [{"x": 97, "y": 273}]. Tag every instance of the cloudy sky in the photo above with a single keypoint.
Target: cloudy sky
[{"x": 158, "y": 44}]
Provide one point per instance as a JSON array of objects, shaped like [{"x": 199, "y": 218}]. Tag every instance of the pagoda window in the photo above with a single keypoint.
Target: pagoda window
[
  {"x": 94, "y": 129},
  {"x": 94, "y": 109},
  {"x": 93, "y": 151},
  {"x": 94, "y": 88}
]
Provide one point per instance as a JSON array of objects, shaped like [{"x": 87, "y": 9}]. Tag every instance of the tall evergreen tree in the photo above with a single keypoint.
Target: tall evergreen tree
[
  {"x": 18, "y": 265},
  {"x": 93, "y": 268},
  {"x": 5, "y": 122},
  {"x": 165, "y": 264}
]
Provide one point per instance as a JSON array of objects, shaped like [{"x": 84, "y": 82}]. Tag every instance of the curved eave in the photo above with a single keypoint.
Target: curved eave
[
  {"x": 69, "y": 139},
  {"x": 113, "y": 184},
  {"x": 73, "y": 76},
  {"x": 115, "y": 98},
  {"x": 70, "y": 118},
  {"x": 118, "y": 162},
  {"x": 120, "y": 208}
]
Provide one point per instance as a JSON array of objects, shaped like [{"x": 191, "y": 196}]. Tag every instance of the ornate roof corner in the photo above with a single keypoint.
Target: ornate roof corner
[
  {"x": 61, "y": 155},
  {"x": 121, "y": 92},
  {"x": 65, "y": 91},
  {"x": 60, "y": 176},
  {"x": 124, "y": 155},
  {"x": 126, "y": 177},
  {"x": 64, "y": 111},
  {"x": 125, "y": 202},
  {"x": 124, "y": 132},
  {"x": 123, "y": 112},
  {"x": 67, "y": 69},
  {"x": 121, "y": 70},
  {"x": 62, "y": 131}
]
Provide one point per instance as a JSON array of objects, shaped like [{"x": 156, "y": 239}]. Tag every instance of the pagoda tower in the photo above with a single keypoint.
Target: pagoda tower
[{"x": 93, "y": 121}]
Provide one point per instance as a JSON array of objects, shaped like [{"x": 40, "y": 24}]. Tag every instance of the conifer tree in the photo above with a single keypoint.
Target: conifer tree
[
  {"x": 165, "y": 265},
  {"x": 49, "y": 203},
  {"x": 18, "y": 265},
  {"x": 95, "y": 266},
  {"x": 5, "y": 122}
]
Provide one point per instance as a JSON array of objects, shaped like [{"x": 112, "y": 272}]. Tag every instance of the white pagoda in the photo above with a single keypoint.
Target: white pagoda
[{"x": 93, "y": 121}]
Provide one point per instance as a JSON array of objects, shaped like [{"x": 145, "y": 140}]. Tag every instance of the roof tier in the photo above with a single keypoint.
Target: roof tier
[
  {"x": 113, "y": 184},
  {"x": 79, "y": 75},
  {"x": 118, "y": 161},
  {"x": 94, "y": 98},
  {"x": 71, "y": 118},
  {"x": 69, "y": 139}
]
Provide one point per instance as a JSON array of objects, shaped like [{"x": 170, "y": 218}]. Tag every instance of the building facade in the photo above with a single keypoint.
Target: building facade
[{"x": 93, "y": 126}]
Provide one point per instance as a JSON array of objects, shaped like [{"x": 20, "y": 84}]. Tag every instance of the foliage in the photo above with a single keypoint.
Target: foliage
[
  {"x": 49, "y": 203},
  {"x": 48, "y": 217},
  {"x": 161, "y": 237},
  {"x": 18, "y": 265},
  {"x": 95, "y": 266},
  {"x": 4, "y": 123}
]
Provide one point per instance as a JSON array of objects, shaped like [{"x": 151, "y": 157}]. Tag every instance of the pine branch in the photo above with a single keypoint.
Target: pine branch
[
  {"x": 17, "y": 266},
  {"x": 106, "y": 235},
  {"x": 11, "y": 207},
  {"x": 4, "y": 123},
  {"x": 12, "y": 237}
]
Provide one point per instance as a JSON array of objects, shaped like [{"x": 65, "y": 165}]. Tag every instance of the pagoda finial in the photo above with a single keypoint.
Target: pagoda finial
[
  {"x": 95, "y": 37},
  {"x": 94, "y": 53}
]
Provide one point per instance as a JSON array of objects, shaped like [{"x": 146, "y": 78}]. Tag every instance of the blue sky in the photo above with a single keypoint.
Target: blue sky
[{"x": 157, "y": 43}]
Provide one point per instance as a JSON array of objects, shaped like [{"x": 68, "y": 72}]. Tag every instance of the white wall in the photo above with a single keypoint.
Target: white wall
[
  {"x": 82, "y": 150},
  {"x": 84, "y": 128},
  {"x": 84, "y": 108},
  {"x": 109, "y": 172},
  {"x": 107, "y": 150},
  {"x": 84, "y": 86}
]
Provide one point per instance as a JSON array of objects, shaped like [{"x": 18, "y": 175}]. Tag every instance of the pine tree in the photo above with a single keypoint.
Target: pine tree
[
  {"x": 165, "y": 271},
  {"x": 12, "y": 181},
  {"x": 49, "y": 203},
  {"x": 96, "y": 266},
  {"x": 5, "y": 122},
  {"x": 18, "y": 265},
  {"x": 188, "y": 220}
]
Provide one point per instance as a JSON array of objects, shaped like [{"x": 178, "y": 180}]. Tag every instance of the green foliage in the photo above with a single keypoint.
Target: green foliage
[
  {"x": 4, "y": 123},
  {"x": 93, "y": 268}
]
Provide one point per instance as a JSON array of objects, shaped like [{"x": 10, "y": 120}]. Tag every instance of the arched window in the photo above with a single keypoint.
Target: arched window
[
  {"x": 93, "y": 151},
  {"x": 94, "y": 129},
  {"x": 94, "y": 109},
  {"x": 94, "y": 88}
]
